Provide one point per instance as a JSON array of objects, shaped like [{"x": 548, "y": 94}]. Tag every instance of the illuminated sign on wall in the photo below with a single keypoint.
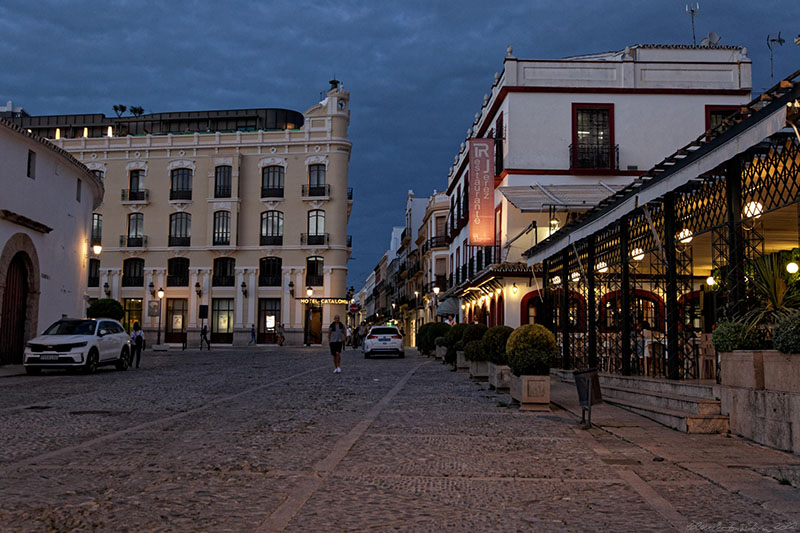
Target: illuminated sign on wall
[{"x": 481, "y": 192}]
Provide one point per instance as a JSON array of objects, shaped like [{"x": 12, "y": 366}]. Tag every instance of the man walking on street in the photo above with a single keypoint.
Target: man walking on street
[
  {"x": 137, "y": 342},
  {"x": 336, "y": 333},
  {"x": 204, "y": 337},
  {"x": 252, "y": 335}
]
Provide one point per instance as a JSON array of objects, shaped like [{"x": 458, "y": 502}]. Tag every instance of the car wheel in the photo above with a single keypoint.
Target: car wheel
[
  {"x": 401, "y": 355},
  {"x": 32, "y": 370},
  {"x": 124, "y": 360},
  {"x": 366, "y": 355},
  {"x": 91, "y": 362}
]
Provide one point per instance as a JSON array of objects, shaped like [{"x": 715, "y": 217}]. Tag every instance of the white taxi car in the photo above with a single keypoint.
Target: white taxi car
[
  {"x": 383, "y": 340},
  {"x": 84, "y": 343}
]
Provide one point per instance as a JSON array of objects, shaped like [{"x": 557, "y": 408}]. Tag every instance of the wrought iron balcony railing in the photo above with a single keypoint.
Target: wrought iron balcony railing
[
  {"x": 179, "y": 241},
  {"x": 315, "y": 191},
  {"x": 132, "y": 242},
  {"x": 223, "y": 281},
  {"x": 350, "y": 193},
  {"x": 271, "y": 192},
  {"x": 314, "y": 280},
  {"x": 221, "y": 240},
  {"x": 138, "y": 196},
  {"x": 594, "y": 156},
  {"x": 180, "y": 195},
  {"x": 94, "y": 281},
  {"x": 314, "y": 240},
  {"x": 271, "y": 240},
  {"x": 177, "y": 281},
  {"x": 132, "y": 281},
  {"x": 222, "y": 192},
  {"x": 269, "y": 281}
]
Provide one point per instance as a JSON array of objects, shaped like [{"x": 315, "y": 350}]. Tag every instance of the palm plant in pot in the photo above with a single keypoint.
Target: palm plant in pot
[
  {"x": 475, "y": 359},
  {"x": 531, "y": 351},
  {"x": 494, "y": 346}
]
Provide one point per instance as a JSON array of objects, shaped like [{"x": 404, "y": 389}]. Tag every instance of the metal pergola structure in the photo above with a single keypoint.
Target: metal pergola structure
[{"x": 626, "y": 285}]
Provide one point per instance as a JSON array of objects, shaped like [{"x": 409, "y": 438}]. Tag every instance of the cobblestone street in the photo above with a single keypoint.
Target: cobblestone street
[{"x": 270, "y": 439}]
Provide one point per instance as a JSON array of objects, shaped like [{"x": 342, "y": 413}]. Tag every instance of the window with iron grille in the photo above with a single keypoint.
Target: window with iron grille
[
  {"x": 178, "y": 272},
  {"x": 592, "y": 136},
  {"x": 180, "y": 229},
  {"x": 316, "y": 175},
  {"x": 271, "y": 227},
  {"x": 181, "y": 184},
  {"x": 94, "y": 272},
  {"x": 316, "y": 222},
  {"x": 135, "y": 225},
  {"x": 97, "y": 228},
  {"x": 269, "y": 272},
  {"x": 314, "y": 271},
  {"x": 133, "y": 272},
  {"x": 224, "y": 272},
  {"x": 222, "y": 227},
  {"x": 222, "y": 182}
]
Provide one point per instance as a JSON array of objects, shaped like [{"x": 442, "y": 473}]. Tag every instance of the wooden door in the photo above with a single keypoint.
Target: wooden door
[{"x": 15, "y": 309}]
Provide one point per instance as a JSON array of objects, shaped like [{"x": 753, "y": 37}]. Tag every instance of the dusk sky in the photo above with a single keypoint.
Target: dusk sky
[{"x": 416, "y": 70}]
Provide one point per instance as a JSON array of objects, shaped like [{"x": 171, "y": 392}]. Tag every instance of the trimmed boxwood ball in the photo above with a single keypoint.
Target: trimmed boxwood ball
[
  {"x": 786, "y": 335},
  {"x": 427, "y": 334},
  {"x": 106, "y": 308},
  {"x": 531, "y": 350},
  {"x": 440, "y": 341},
  {"x": 473, "y": 351},
  {"x": 455, "y": 333},
  {"x": 730, "y": 335},
  {"x": 494, "y": 344},
  {"x": 474, "y": 332}
]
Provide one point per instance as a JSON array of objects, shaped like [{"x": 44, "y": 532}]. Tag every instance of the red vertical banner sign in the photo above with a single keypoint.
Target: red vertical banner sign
[{"x": 481, "y": 192}]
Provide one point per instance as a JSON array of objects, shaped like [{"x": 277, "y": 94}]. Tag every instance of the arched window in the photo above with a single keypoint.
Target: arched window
[
  {"x": 133, "y": 272},
  {"x": 314, "y": 270},
  {"x": 269, "y": 272},
  {"x": 271, "y": 228},
  {"x": 135, "y": 237},
  {"x": 222, "y": 182},
  {"x": 224, "y": 272},
  {"x": 316, "y": 227},
  {"x": 272, "y": 181},
  {"x": 178, "y": 272},
  {"x": 180, "y": 229},
  {"x": 222, "y": 228},
  {"x": 181, "y": 184}
]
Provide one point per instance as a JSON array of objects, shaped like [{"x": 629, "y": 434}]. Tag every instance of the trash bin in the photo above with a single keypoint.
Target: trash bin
[{"x": 588, "y": 384}]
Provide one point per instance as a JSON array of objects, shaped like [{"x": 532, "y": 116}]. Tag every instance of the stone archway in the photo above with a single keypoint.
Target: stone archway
[{"x": 18, "y": 258}]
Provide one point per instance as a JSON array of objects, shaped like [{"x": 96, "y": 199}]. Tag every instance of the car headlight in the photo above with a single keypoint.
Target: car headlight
[{"x": 80, "y": 344}]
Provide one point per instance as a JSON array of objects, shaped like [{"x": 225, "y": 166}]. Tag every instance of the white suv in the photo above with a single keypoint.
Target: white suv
[
  {"x": 79, "y": 343},
  {"x": 383, "y": 340}
]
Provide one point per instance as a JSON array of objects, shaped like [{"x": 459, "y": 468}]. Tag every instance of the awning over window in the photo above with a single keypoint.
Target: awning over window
[
  {"x": 537, "y": 197},
  {"x": 447, "y": 307}
]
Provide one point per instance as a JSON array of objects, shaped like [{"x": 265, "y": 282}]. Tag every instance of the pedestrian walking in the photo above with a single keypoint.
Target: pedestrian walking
[
  {"x": 349, "y": 340},
  {"x": 137, "y": 343},
  {"x": 363, "y": 329},
  {"x": 204, "y": 338},
  {"x": 252, "y": 335},
  {"x": 281, "y": 335},
  {"x": 336, "y": 335}
]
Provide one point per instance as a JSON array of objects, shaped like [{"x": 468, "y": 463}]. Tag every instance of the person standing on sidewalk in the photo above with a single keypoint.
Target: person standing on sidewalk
[
  {"x": 252, "y": 335},
  {"x": 336, "y": 333},
  {"x": 137, "y": 343},
  {"x": 281, "y": 335},
  {"x": 204, "y": 338}
]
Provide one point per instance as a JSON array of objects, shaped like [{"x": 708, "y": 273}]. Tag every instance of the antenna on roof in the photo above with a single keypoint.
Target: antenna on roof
[
  {"x": 779, "y": 41},
  {"x": 693, "y": 10},
  {"x": 711, "y": 40}
]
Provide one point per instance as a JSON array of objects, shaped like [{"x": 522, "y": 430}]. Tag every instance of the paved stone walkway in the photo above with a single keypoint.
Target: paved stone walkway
[{"x": 270, "y": 439}]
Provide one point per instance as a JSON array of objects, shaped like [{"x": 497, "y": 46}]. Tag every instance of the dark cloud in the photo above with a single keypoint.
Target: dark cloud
[{"x": 417, "y": 70}]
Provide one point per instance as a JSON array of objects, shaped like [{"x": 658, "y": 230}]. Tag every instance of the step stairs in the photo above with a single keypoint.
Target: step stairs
[{"x": 687, "y": 406}]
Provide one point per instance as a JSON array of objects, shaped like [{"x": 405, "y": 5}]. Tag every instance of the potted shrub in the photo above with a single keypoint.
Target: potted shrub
[
  {"x": 475, "y": 359},
  {"x": 782, "y": 365},
  {"x": 452, "y": 339},
  {"x": 441, "y": 347},
  {"x": 494, "y": 346},
  {"x": 531, "y": 351},
  {"x": 427, "y": 335},
  {"x": 741, "y": 356}
]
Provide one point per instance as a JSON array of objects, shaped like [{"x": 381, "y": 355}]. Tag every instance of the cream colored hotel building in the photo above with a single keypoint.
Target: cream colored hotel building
[{"x": 243, "y": 211}]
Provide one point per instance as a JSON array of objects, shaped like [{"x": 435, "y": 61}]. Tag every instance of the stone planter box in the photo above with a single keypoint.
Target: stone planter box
[
  {"x": 781, "y": 371},
  {"x": 461, "y": 361},
  {"x": 742, "y": 368},
  {"x": 479, "y": 370},
  {"x": 499, "y": 377},
  {"x": 440, "y": 352},
  {"x": 532, "y": 392}
]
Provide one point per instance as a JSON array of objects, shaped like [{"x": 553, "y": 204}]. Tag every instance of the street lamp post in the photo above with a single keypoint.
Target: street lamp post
[
  {"x": 435, "y": 304},
  {"x": 160, "y": 302},
  {"x": 309, "y": 294}
]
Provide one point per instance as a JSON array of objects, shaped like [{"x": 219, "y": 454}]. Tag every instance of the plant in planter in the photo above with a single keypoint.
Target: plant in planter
[
  {"x": 740, "y": 347},
  {"x": 441, "y": 347},
  {"x": 453, "y": 337},
  {"x": 494, "y": 346},
  {"x": 782, "y": 370},
  {"x": 531, "y": 351},
  {"x": 427, "y": 334},
  {"x": 476, "y": 361}
]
